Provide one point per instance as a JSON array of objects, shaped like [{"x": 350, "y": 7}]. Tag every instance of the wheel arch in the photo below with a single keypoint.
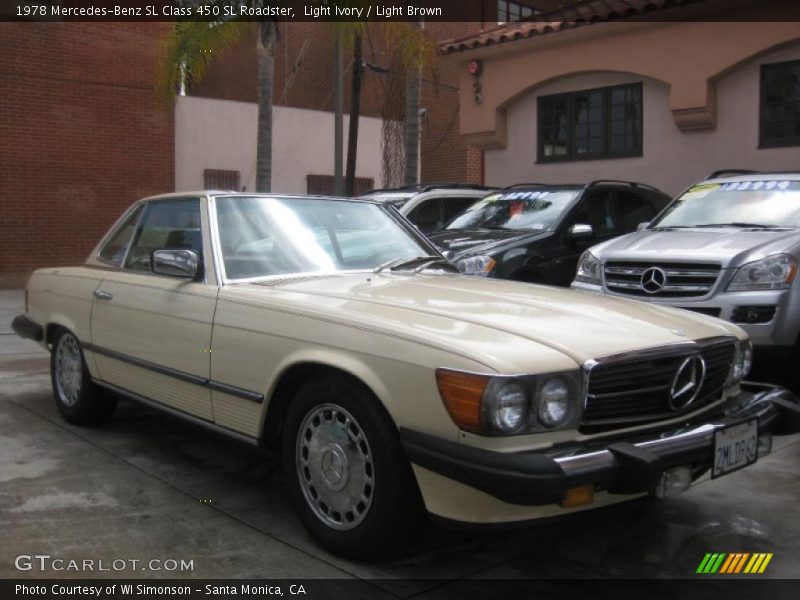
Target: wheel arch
[
  {"x": 296, "y": 372},
  {"x": 54, "y": 325}
]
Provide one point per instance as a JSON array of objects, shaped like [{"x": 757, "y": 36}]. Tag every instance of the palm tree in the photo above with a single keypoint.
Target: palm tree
[{"x": 191, "y": 47}]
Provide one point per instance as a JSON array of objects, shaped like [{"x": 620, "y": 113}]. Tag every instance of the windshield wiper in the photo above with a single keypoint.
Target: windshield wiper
[
  {"x": 737, "y": 224},
  {"x": 422, "y": 262}
]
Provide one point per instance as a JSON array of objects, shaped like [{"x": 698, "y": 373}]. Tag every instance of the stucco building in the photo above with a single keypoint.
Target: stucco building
[{"x": 649, "y": 90}]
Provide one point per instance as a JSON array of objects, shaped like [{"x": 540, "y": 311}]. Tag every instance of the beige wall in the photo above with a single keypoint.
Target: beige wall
[
  {"x": 221, "y": 134},
  {"x": 672, "y": 158}
]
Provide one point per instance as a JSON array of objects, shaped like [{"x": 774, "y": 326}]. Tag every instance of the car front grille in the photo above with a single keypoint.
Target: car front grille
[
  {"x": 661, "y": 280},
  {"x": 630, "y": 389}
]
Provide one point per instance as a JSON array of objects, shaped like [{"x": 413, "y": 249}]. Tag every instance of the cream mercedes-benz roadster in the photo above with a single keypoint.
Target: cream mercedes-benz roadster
[{"x": 332, "y": 331}]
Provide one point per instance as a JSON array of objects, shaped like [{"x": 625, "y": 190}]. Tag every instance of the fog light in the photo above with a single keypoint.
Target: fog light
[
  {"x": 764, "y": 444},
  {"x": 578, "y": 496},
  {"x": 674, "y": 482}
]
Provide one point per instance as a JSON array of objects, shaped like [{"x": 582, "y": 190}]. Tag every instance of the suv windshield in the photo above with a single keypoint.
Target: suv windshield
[
  {"x": 738, "y": 204},
  {"x": 262, "y": 236},
  {"x": 521, "y": 209}
]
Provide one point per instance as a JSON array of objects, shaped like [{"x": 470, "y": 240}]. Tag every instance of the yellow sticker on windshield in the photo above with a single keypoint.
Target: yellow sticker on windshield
[{"x": 700, "y": 191}]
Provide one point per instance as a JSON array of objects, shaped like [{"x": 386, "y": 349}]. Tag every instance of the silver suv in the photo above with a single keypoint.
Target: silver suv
[{"x": 727, "y": 247}]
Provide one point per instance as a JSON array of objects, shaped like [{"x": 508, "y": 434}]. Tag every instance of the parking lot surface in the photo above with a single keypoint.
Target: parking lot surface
[{"x": 147, "y": 486}]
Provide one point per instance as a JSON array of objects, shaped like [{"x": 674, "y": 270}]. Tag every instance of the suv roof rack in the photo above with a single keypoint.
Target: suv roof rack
[
  {"x": 623, "y": 182},
  {"x": 730, "y": 173},
  {"x": 426, "y": 187}
]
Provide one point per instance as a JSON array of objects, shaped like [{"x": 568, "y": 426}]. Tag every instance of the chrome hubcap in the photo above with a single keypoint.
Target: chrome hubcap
[
  {"x": 69, "y": 369},
  {"x": 334, "y": 466}
]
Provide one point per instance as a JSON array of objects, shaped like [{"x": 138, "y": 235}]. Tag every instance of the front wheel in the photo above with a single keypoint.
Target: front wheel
[
  {"x": 349, "y": 478},
  {"x": 78, "y": 399}
]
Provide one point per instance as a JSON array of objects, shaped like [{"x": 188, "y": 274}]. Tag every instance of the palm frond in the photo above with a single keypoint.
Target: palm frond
[{"x": 190, "y": 48}]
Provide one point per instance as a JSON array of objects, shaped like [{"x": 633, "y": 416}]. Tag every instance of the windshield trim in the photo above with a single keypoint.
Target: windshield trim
[{"x": 216, "y": 245}]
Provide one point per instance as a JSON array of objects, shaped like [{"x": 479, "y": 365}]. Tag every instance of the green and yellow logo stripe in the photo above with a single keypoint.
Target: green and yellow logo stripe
[{"x": 734, "y": 563}]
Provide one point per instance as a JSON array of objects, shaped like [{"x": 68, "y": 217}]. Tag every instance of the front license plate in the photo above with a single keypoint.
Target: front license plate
[{"x": 735, "y": 447}]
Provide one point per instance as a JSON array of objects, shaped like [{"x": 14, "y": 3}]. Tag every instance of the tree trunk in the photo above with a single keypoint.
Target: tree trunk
[
  {"x": 268, "y": 33},
  {"x": 411, "y": 135},
  {"x": 355, "y": 114}
]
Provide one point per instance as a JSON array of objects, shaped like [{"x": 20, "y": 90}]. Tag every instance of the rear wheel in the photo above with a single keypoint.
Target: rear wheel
[
  {"x": 78, "y": 399},
  {"x": 348, "y": 476}
]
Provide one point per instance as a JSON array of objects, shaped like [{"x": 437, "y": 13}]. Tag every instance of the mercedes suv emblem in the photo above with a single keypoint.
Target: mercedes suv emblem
[
  {"x": 687, "y": 382},
  {"x": 653, "y": 279}
]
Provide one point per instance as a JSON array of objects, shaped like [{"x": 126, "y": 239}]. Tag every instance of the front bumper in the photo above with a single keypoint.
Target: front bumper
[
  {"x": 620, "y": 467},
  {"x": 781, "y": 330}
]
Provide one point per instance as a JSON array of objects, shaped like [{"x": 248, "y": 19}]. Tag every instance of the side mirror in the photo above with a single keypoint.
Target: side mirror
[
  {"x": 176, "y": 263},
  {"x": 581, "y": 231},
  {"x": 641, "y": 226}
]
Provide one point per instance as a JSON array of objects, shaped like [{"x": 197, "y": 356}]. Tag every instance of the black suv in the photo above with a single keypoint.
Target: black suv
[{"x": 536, "y": 232}]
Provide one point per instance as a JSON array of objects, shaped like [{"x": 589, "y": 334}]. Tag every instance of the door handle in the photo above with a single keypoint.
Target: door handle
[{"x": 101, "y": 295}]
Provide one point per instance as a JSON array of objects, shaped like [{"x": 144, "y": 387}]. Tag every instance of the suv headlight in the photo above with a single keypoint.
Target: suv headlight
[
  {"x": 770, "y": 273},
  {"x": 742, "y": 361},
  {"x": 500, "y": 405},
  {"x": 480, "y": 266},
  {"x": 588, "y": 269}
]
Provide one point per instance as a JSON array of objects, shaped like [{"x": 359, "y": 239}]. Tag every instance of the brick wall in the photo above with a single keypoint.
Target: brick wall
[
  {"x": 445, "y": 156},
  {"x": 83, "y": 136}
]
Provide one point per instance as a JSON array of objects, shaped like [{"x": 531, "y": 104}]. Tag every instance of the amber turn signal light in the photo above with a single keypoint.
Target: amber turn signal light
[
  {"x": 462, "y": 394},
  {"x": 578, "y": 496}
]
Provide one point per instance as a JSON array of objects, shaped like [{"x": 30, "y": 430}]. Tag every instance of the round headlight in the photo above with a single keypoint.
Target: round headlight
[
  {"x": 554, "y": 403},
  {"x": 508, "y": 407}
]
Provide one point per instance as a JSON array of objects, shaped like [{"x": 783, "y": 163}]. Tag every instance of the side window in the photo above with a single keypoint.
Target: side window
[
  {"x": 632, "y": 209},
  {"x": 113, "y": 252},
  {"x": 596, "y": 211},
  {"x": 168, "y": 224},
  {"x": 428, "y": 215},
  {"x": 455, "y": 206}
]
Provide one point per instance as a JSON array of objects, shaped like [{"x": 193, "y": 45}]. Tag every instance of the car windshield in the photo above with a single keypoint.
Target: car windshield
[
  {"x": 261, "y": 236},
  {"x": 768, "y": 203},
  {"x": 520, "y": 209}
]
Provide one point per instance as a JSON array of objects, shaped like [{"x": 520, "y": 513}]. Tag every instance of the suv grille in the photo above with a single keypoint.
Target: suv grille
[
  {"x": 661, "y": 280},
  {"x": 636, "y": 389}
]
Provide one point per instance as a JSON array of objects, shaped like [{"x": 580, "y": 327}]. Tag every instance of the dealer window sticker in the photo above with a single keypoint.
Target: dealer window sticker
[
  {"x": 529, "y": 195},
  {"x": 743, "y": 186},
  {"x": 700, "y": 191}
]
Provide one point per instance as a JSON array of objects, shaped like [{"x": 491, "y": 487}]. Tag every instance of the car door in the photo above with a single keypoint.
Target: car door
[
  {"x": 151, "y": 334},
  {"x": 595, "y": 209}
]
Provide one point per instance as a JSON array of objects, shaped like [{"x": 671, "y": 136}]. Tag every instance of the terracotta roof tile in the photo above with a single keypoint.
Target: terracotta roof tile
[{"x": 559, "y": 20}]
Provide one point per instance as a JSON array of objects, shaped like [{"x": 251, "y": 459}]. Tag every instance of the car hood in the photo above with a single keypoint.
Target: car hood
[
  {"x": 727, "y": 246},
  {"x": 455, "y": 243},
  {"x": 498, "y": 323}
]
